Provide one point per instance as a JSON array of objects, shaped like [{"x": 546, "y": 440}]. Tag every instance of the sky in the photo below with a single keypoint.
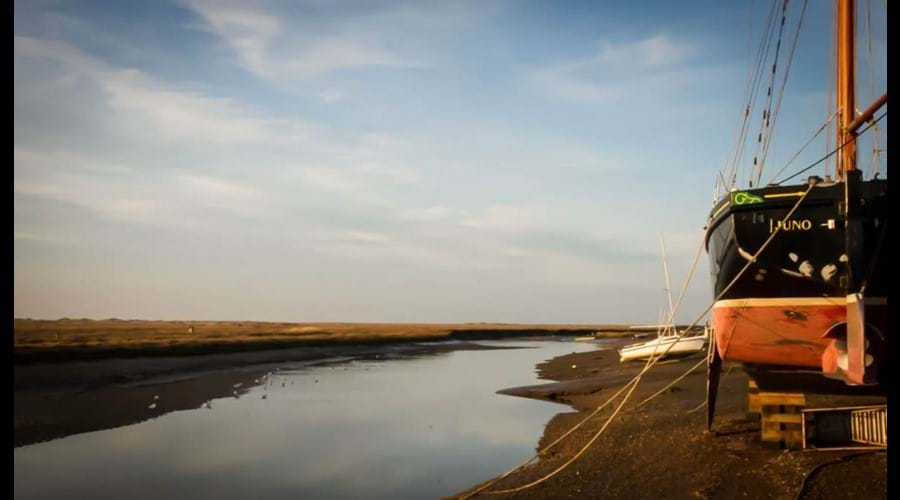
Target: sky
[{"x": 407, "y": 161}]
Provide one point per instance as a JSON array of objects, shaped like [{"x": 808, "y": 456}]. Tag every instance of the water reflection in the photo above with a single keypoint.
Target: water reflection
[{"x": 412, "y": 428}]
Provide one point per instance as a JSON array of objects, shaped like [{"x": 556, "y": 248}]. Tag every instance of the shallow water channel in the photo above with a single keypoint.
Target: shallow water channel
[{"x": 398, "y": 428}]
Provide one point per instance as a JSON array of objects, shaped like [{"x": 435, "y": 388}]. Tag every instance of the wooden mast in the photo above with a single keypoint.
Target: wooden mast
[
  {"x": 848, "y": 121},
  {"x": 846, "y": 85}
]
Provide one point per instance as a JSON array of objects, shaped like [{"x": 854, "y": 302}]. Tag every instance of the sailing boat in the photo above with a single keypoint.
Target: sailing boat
[
  {"x": 799, "y": 271},
  {"x": 667, "y": 341}
]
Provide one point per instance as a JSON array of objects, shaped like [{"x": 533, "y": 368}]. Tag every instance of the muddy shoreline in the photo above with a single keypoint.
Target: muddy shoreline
[{"x": 661, "y": 450}]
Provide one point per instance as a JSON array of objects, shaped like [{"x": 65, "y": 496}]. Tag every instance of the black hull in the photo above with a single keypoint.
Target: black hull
[
  {"x": 779, "y": 311},
  {"x": 742, "y": 229}
]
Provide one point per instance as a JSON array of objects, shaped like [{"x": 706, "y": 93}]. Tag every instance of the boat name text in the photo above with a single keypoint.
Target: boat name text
[{"x": 791, "y": 225}]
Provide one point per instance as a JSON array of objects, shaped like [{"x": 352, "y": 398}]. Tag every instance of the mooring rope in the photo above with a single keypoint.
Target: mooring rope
[
  {"x": 612, "y": 398},
  {"x": 635, "y": 381},
  {"x": 679, "y": 379},
  {"x": 701, "y": 405}
]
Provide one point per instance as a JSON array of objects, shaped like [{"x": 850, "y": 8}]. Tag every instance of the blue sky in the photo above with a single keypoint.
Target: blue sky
[{"x": 386, "y": 161}]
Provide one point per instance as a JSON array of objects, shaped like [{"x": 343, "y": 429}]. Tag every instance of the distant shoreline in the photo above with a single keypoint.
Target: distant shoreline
[{"x": 54, "y": 341}]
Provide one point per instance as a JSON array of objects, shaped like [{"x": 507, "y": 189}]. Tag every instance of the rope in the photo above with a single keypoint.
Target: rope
[
  {"x": 557, "y": 440},
  {"x": 727, "y": 372},
  {"x": 577, "y": 455},
  {"x": 546, "y": 448},
  {"x": 657, "y": 393},
  {"x": 832, "y": 87},
  {"x": 829, "y": 155},
  {"x": 686, "y": 282},
  {"x": 876, "y": 161},
  {"x": 612, "y": 398},
  {"x": 803, "y": 148},
  {"x": 750, "y": 94},
  {"x": 763, "y": 56},
  {"x": 787, "y": 70},
  {"x": 767, "y": 110},
  {"x": 634, "y": 382}
]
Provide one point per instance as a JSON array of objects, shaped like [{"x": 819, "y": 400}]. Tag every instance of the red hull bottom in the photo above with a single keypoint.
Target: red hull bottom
[{"x": 793, "y": 332}]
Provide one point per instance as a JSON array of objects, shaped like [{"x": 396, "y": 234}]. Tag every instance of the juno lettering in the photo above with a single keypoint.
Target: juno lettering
[{"x": 791, "y": 225}]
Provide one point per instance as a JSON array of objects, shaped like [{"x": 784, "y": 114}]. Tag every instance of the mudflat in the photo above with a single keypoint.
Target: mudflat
[{"x": 661, "y": 450}]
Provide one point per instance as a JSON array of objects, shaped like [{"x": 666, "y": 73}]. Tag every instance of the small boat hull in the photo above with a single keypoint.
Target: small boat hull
[{"x": 671, "y": 346}]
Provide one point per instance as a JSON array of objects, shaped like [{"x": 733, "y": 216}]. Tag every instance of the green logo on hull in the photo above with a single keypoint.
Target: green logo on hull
[{"x": 743, "y": 198}]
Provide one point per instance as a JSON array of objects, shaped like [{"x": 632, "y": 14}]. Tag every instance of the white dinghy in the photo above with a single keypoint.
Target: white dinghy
[
  {"x": 670, "y": 344},
  {"x": 667, "y": 341}
]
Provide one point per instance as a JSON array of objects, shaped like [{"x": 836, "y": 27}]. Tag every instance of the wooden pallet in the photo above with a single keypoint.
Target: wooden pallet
[
  {"x": 753, "y": 408},
  {"x": 781, "y": 421}
]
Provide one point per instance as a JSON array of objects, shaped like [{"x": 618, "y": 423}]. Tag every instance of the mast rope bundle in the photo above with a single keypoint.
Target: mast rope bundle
[
  {"x": 753, "y": 78},
  {"x": 770, "y": 127},
  {"x": 767, "y": 108}
]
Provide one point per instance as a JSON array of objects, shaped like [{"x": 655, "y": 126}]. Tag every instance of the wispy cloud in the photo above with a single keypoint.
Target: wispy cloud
[
  {"x": 658, "y": 50},
  {"x": 617, "y": 70},
  {"x": 433, "y": 214},
  {"x": 248, "y": 30},
  {"x": 173, "y": 113},
  {"x": 265, "y": 48},
  {"x": 331, "y": 95},
  {"x": 510, "y": 218},
  {"x": 214, "y": 188},
  {"x": 94, "y": 197},
  {"x": 174, "y": 119}
]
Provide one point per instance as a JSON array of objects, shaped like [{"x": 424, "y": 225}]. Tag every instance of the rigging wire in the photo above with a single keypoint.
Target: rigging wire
[
  {"x": 787, "y": 70},
  {"x": 829, "y": 155},
  {"x": 745, "y": 109},
  {"x": 811, "y": 139},
  {"x": 876, "y": 158},
  {"x": 762, "y": 56},
  {"x": 767, "y": 108},
  {"x": 750, "y": 94},
  {"x": 832, "y": 90}
]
